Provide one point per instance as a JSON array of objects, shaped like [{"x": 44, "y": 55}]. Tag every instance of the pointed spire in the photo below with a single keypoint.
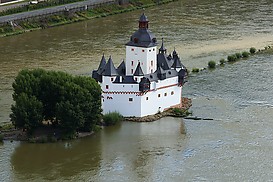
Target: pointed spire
[
  {"x": 177, "y": 63},
  {"x": 110, "y": 69},
  {"x": 121, "y": 68},
  {"x": 138, "y": 71},
  {"x": 162, "y": 49},
  {"x": 102, "y": 65}
]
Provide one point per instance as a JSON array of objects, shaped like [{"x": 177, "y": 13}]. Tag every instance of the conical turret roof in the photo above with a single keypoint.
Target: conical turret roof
[
  {"x": 110, "y": 69},
  {"x": 138, "y": 71}
]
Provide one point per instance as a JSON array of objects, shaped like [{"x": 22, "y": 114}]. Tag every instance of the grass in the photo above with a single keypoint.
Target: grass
[{"x": 112, "y": 118}]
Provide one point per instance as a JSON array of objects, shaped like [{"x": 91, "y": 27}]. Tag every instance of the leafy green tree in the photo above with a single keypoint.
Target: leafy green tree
[
  {"x": 71, "y": 103},
  {"x": 27, "y": 113}
]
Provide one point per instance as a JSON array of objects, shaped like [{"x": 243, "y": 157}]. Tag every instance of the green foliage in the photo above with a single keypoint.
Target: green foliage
[
  {"x": 27, "y": 113},
  {"x": 232, "y": 58},
  {"x": 211, "y": 64},
  {"x": 195, "y": 70},
  {"x": 222, "y": 61},
  {"x": 1, "y": 137},
  {"x": 238, "y": 55},
  {"x": 71, "y": 103},
  {"x": 245, "y": 54},
  {"x": 112, "y": 118},
  {"x": 178, "y": 112},
  {"x": 252, "y": 50}
]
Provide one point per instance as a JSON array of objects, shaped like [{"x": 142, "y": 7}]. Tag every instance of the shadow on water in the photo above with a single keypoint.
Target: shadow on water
[{"x": 57, "y": 160}]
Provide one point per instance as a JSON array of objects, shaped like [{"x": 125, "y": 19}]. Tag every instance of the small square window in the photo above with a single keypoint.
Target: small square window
[
  {"x": 132, "y": 71},
  {"x": 165, "y": 94},
  {"x": 112, "y": 79},
  {"x": 132, "y": 49},
  {"x": 130, "y": 99},
  {"x": 107, "y": 86},
  {"x": 143, "y": 50},
  {"x": 153, "y": 49},
  {"x": 158, "y": 95},
  {"x": 172, "y": 92},
  {"x": 132, "y": 63},
  {"x": 147, "y": 98},
  {"x": 150, "y": 50}
]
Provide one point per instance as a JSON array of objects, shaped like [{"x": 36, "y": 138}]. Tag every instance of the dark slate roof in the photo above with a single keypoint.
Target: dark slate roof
[
  {"x": 143, "y": 37},
  {"x": 138, "y": 71},
  {"x": 110, "y": 69},
  {"x": 177, "y": 63},
  {"x": 126, "y": 80},
  {"x": 102, "y": 65},
  {"x": 121, "y": 68},
  {"x": 162, "y": 49},
  {"x": 143, "y": 18},
  {"x": 163, "y": 61}
]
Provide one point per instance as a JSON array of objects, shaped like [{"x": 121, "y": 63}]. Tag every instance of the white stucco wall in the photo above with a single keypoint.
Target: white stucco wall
[
  {"x": 116, "y": 98},
  {"x": 142, "y": 55}
]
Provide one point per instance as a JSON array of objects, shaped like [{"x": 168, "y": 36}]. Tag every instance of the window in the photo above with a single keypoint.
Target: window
[
  {"x": 158, "y": 95},
  {"x": 172, "y": 92},
  {"x": 136, "y": 79},
  {"x": 153, "y": 49},
  {"x": 112, "y": 79},
  {"x": 143, "y": 50},
  {"x": 107, "y": 86},
  {"x": 150, "y": 50},
  {"x": 132, "y": 49},
  {"x": 165, "y": 94},
  {"x": 132, "y": 63},
  {"x": 147, "y": 98},
  {"x": 152, "y": 63},
  {"x": 130, "y": 99},
  {"x": 152, "y": 70},
  {"x": 132, "y": 71}
]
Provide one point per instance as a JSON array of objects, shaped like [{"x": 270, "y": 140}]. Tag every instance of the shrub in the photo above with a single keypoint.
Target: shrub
[
  {"x": 211, "y": 64},
  {"x": 238, "y": 55},
  {"x": 252, "y": 50},
  {"x": 1, "y": 137},
  {"x": 195, "y": 70},
  {"x": 112, "y": 118},
  {"x": 222, "y": 61},
  {"x": 245, "y": 54},
  {"x": 231, "y": 58}
]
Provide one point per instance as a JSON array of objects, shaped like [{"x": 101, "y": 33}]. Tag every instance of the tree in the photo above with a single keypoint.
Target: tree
[
  {"x": 27, "y": 113},
  {"x": 70, "y": 102}
]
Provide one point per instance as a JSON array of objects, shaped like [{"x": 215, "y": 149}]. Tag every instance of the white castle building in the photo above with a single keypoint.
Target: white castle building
[{"x": 147, "y": 82}]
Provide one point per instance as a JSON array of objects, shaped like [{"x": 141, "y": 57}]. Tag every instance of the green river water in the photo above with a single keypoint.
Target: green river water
[{"x": 236, "y": 145}]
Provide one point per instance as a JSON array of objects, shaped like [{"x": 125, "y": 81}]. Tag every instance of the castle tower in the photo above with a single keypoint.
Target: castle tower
[{"x": 141, "y": 49}]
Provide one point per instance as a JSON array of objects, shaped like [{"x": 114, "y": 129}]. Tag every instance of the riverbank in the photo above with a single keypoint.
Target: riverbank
[
  {"x": 50, "y": 134},
  {"x": 68, "y": 16}
]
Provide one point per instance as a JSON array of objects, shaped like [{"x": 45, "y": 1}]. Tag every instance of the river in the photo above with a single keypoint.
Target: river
[{"x": 235, "y": 146}]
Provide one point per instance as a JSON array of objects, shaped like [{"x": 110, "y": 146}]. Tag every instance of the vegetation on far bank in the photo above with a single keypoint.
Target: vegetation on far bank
[
  {"x": 234, "y": 57},
  {"x": 56, "y": 101},
  {"x": 70, "y": 17}
]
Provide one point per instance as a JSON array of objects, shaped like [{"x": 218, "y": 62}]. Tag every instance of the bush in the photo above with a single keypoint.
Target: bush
[
  {"x": 211, "y": 64},
  {"x": 245, "y": 54},
  {"x": 222, "y": 61},
  {"x": 1, "y": 137},
  {"x": 195, "y": 70},
  {"x": 232, "y": 58},
  {"x": 238, "y": 55},
  {"x": 252, "y": 50},
  {"x": 112, "y": 118}
]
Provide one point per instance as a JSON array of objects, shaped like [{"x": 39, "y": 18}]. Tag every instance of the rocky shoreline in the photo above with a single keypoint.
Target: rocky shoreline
[{"x": 183, "y": 107}]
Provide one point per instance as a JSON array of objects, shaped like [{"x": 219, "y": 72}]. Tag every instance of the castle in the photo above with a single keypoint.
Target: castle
[{"x": 147, "y": 82}]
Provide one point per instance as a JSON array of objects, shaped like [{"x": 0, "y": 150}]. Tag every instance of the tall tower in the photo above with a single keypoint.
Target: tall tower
[{"x": 141, "y": 49}]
